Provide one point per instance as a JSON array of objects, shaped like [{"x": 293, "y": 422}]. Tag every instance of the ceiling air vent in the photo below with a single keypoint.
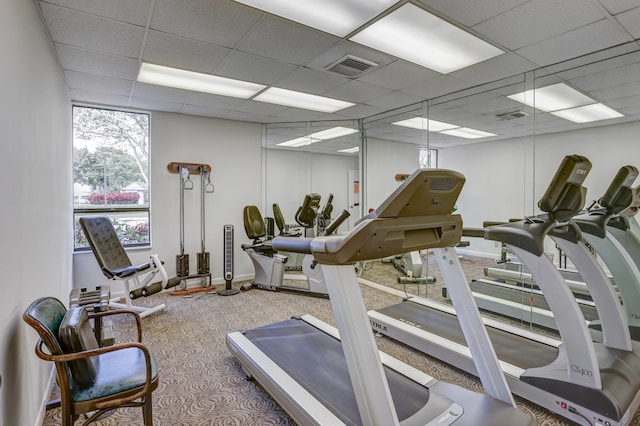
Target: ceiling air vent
[
  {"x": 351, "y": 66},
  {"x": 512, "y": 115}
]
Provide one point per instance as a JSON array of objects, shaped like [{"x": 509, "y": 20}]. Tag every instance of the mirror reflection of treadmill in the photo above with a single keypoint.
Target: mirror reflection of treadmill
[
  {"x": 587, "y": 382},
  {"x": 604, "y": 221},
  {"x": 323, "y": 376}
]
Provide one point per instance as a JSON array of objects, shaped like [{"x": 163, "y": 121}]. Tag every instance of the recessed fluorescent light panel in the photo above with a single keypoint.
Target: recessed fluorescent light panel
[
  {"x": 413, "y": 34},
  {"x": 350, "y": 150},
  {"x": 275, "y": 95},
  {"x": 323, "y": 135},
  {"x": 588, "y": 113},
  {"x": 422, "y": 123},
  {"x": 297, "y": 142},
  {"x": 338, "y": 17},
  {"x": 565, "y": 102},
  {"x": 552, "y": 98},
  {"x": 197, "y": 82},
  {"x": 467, "y": 133}
]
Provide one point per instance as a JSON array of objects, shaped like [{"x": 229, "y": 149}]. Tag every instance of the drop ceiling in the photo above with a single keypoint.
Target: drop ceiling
[{"x": 101, "y": 44}]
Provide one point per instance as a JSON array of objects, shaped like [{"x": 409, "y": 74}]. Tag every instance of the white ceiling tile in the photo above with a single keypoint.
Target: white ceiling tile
[
  {"x": 471, "y": 13},
  {"x": 214, "y": 101},
  {"x": 161, "y": 93},
  {"x": 86, "y": 31},
  {"x": 100, "y": 98},
  {"x": 130, "y": 11},
  {"x": 98, "y": 83},
  {"x": 155, "y": 105},
  {"x": 246, "y": 116},
  {"x": 311, "y": 81},
  {"x": 203, "y": 111},
  {"x": 219, "y": 22},
  {"x": 295, "y": 114},
  {"x": 616, "y": 6},
  {"x": 394, "y": 100},
  {"x": 605, "y": 61},
  {"x": 359, "y": 111},
  {"x": 609, "y": 78},
  {"x": 438, "y": 86},
  {"x": 596, "y": 36},
  {"x": 357, "y": 91},
  {"x": 631, "y": 21},
  {"x": 286, "y": 41},
  {"x": 618, "y": 94},
  {"x": 398, "y": 75},
  {"x": 253, "y": 68},
  {"x": 262, "y": 108},
  {"x": 538, "y": 20},
  {"x": 179, "y": 52},
  {"x": 498, "y": 67},
  {"x": 88, "y": 61}
]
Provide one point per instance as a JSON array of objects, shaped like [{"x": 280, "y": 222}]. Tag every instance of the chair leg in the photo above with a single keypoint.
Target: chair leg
[
  {"x": 68, "y": 419},
  {"x": 147, "y": 411}
]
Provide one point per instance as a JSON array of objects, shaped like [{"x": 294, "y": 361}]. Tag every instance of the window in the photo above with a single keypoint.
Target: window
[
  {"x": 111, "y": 172},
  {"x": 428, "y": 158}
]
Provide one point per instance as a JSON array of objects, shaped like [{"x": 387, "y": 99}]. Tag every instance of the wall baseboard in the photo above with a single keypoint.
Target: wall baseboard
[{"x": 45, "y": 398}]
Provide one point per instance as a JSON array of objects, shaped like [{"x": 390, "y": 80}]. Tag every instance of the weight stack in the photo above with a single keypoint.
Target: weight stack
[
  {"x": 203, "y": 262},
  {"x": 182, "y": 265}
]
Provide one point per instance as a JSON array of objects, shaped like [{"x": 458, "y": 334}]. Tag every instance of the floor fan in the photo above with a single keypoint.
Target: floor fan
[{"x": 228, "y": 262}]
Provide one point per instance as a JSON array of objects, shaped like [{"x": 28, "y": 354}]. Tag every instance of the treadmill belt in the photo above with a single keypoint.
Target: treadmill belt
[
  {"x": 316, "y": 361},
  {"x": 516, "y": 295},
  {"x": 508, "y": 347}
]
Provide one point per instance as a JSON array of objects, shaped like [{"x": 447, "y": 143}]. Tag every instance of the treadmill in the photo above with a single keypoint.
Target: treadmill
[
  {"x": 620, "y": 251},
  {"x": 608, "y": 230},
  {"x": 590, "y": 383},
  {"x": 326, "y": 376}
]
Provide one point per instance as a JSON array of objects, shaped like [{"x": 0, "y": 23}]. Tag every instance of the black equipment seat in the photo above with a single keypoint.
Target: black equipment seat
[
  {"x": 256, "y": 230},
  {"x": 618, "y": 198},
  {"x": 307, "y": 212},
  {"x": 327, "y": 209},
  {"x": 113, "y": 260},
  {"x": 281, "y": 224},
  {"x": 564, "y": 197}
]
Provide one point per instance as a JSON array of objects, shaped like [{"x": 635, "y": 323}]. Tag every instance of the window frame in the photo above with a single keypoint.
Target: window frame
[{"x": 105, "y": 210}]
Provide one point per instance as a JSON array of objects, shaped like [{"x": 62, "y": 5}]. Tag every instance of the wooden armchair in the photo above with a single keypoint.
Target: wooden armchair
[{"x": 91, "y": 378}]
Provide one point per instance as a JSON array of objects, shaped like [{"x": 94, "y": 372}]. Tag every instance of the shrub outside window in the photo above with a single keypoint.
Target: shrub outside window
[{"x": 111, "y": 172}]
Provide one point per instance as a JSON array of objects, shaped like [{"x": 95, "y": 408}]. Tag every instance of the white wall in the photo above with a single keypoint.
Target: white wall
[
  {"x": 233, "y": 150},
  {"x": 290, "y": 175},
  {"x": 385, "y": 159},
  {"x": 35, "y": 219},
  {"x": 505, "y": 179}
]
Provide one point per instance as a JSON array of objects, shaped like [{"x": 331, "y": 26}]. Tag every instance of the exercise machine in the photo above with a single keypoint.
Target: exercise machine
[
  {"x": 322, "y": 375},
  {"x": 184, "y": 170},
  {"x": 294, "y": 260},
  {"x": 269, "y": 264},
  {"x": 604, "y": 228},
  {"x": 323, "y": 218},
  {"x": 585, "y": 381},
  {"x": 307, "y": 212}
]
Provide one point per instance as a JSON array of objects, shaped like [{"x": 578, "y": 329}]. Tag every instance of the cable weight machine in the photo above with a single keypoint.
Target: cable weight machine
[{"x": 182, "y": 259}]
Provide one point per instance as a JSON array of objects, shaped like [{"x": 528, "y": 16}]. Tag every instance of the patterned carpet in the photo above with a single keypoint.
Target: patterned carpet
[{"x": 202, "y": 384}]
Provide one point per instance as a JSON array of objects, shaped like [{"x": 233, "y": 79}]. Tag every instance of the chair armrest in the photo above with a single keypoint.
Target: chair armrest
[
  {"x": 119, "y": 312},
  {"x": 94, "y": 352}
]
